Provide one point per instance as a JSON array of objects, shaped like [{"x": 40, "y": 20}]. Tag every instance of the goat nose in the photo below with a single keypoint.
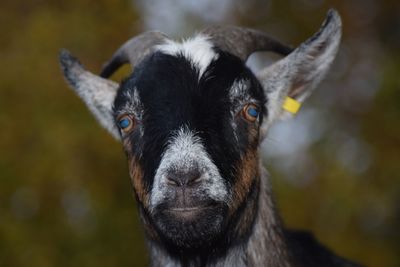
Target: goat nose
[{"x": 183, "y": 178}]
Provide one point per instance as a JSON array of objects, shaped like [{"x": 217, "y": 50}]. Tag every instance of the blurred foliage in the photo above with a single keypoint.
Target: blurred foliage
[{"x": 65, "y": 196}]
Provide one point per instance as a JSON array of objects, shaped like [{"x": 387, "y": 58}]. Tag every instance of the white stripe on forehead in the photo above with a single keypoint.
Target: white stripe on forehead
[{"x": 199, "y": 50}]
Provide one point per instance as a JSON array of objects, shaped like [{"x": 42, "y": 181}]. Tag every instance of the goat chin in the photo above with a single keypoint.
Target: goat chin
[{"x": 190, "y": 228}]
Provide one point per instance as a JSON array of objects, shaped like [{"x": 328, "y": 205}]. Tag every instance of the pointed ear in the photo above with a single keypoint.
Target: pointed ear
[
  {"x": 297, "y": 74},
  {"x": 96, "y": 92}
]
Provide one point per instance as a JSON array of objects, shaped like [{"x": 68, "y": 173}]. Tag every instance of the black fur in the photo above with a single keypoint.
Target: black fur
[{"x": 203, "y": 105}]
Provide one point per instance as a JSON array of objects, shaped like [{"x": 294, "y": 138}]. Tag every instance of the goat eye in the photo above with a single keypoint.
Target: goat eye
[
  {"x": 125, "y": 123},
  {"x": 251, "y": 112}
]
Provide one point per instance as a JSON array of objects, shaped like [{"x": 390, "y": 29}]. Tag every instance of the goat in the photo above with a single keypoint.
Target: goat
[{"x": 191, "y": 117}]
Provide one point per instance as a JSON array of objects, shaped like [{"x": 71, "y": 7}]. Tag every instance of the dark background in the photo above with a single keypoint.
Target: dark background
[{"x": 65, "y": 195}]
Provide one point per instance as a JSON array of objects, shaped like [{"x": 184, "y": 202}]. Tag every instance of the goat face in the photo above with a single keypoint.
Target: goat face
[
  {"x": 190, "y": 118},
  {"x": 192, "y": 146}
]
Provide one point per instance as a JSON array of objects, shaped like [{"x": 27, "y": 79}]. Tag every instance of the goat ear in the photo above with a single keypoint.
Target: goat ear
[
  {"x": 96, "y": 92},
  {"x": 297, "y": 74}
]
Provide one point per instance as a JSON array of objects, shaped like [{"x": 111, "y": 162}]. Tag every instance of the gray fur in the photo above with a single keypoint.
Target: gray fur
[
  {"x": 184, "y": 153},
  {"x": 299, "y": 73},
  {"x": 97, "y": 93}
]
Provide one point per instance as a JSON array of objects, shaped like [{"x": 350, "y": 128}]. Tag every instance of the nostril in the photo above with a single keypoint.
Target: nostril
[
  {"x": 172, "y": 180},
  {"x": 195, "y": 179},
  {"x": 183, "y": 178}
]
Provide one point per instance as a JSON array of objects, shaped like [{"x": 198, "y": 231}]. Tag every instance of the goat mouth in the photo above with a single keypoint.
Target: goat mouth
[{"x": 188, "y": 213}]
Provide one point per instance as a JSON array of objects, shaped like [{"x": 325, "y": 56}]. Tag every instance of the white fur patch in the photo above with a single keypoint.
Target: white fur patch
[
  {"x": 240, "y": 91},
  {"x": 133, "y": 104},
  {"x": 185, "y": 152},
  {"x": 199, "y": 50}
]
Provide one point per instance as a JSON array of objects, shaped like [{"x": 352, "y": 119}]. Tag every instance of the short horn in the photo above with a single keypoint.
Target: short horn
[
  {"x": 133, "y": 51},
  {"x": 242, "y": 42}
]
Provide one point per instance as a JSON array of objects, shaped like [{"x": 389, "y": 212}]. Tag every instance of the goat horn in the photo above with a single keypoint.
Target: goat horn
[
  {"x": 242, "y": 42},
  {"x": 133, "y": 51}
]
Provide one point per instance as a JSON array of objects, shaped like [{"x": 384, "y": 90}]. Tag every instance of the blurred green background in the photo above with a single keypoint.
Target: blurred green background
[{"x": 65, "y": 195}]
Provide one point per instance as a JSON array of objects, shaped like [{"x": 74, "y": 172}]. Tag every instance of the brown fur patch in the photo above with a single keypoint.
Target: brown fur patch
[
  {"x": 247, "y": 169},
  {"x": 248, "y": 213},
  {"x": 243, "y": 197},
  {"x": 247, "y": 173},
  {"x": 136, "y": 174}
]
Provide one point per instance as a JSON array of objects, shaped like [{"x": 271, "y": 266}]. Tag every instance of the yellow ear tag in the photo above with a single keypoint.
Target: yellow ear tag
[{"x": 291, "y": 105}]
